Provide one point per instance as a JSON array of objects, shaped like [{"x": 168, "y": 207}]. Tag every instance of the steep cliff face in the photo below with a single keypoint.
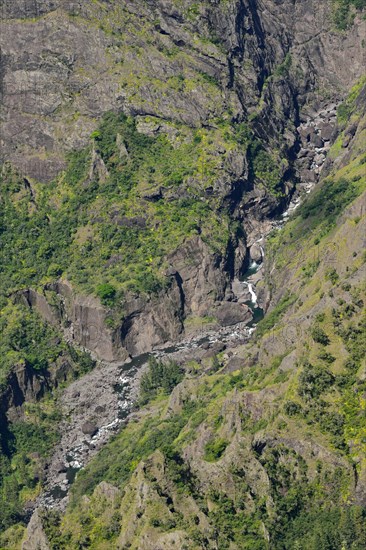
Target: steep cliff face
[
  {"x": 251, "y": 83},
  {"x": 147, "y": 149},
  {"x": 264, "y": 446},
  {"x": 66, "y": 63}
]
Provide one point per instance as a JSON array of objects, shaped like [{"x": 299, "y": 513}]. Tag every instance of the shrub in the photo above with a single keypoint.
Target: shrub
[
  {"x": 332, "y": 275},
  {"x": 54, "y": 270},
  {"x": 214, "y": 449},
  {"x": 327, "y": 357},
  {"x": 314, "y": 380},
  {"x": 107, "y": 293},
  {"x": 159, "y": 376},
  {"x": 319, "y": 335},
  {"x": 292, "y": 408},
  {"x": 344, "y": 12},
  {"x": 267, "y": 171}
]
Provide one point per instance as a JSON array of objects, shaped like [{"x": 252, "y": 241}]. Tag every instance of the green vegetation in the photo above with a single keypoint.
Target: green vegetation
[
  {"x": 215, "y": 449},
  {"x": 88, "y": 227},
  {"x": 314, "y": 381},
  {"x": 160, "y": 376},
  {"x": 24, "y": 446},
  {"x": 345, "y": 10},
  {"x": 264, "y": 167},
  {"x": 327, "y": 202},
  {"x": 282, "y": 70},
  {"x": 275, "y": 315},
  {"x": 319, "y": 335},
  {"x": 267, "y": 171},
  {"x": 106, "y": 293},
  {"x": 29, "y": 342},
  {"x": 305, "y": 505},
  {"x": 328, "y": 528},
  {"x": 256, "y": 459},
  {"x": 107, "y": 224},
  {"x": 349, "y": 106},
  {"x": 131, "y": 446},
  {"x": 34, "y": 349}
]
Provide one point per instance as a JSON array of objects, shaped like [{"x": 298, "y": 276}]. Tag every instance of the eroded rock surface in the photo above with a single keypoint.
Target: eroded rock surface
[{"x": 65, "y": 63}]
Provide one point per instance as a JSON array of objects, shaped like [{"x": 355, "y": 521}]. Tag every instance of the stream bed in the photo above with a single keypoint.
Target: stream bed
[{"x": 107, "y": 394}]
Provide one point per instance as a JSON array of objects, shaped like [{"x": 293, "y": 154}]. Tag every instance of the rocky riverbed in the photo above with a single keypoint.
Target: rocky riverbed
[{"x": 96, "y": 406}]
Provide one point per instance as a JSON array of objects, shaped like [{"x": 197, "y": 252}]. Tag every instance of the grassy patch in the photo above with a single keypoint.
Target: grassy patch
[
  {"x": 275, "y": 315},
  {"x": 214, "y": 449}
]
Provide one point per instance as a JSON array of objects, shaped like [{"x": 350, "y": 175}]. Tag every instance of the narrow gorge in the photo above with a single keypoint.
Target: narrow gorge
[{"x": 182, "y": 227}]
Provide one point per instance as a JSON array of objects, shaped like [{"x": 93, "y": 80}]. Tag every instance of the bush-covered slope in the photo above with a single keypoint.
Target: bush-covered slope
[
  {"x": 35, "y": 365},
  {"x": 145, "y": 146},
  {"x": 271, "y": 455},
  {"x": 122, "y": 206}
]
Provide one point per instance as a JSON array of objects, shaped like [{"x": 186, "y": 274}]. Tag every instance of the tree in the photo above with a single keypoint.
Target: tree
[{"x": 106, "y": 293}]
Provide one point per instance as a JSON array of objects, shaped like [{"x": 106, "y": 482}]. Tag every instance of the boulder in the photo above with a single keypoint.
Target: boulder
[
  {"x": 308, "y": 176},
  {"x": 216, "y": 348},
  {"x": 89, "y": 428},
  {"x": 233, "y": 313},
  {"x": 234, "y": 363},
  {"x": 36, "y": 538},
  {"x": 256, "y": 253},
  {"x": 326, "y": 131},
  {"x": 317, "y": 141}
]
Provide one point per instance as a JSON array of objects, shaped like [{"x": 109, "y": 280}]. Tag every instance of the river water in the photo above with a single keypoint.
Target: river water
[
  {"x": 76, "y": 450},
  {"x": 125, "y": 383}
]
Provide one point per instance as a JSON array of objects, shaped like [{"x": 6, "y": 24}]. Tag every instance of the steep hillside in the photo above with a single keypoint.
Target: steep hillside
[
  {"x": 151, "y": 153},
  {"x": 262, "y": 446},
  {"x": 65, "y": 63},
  {"x": 145, "y": 144}
]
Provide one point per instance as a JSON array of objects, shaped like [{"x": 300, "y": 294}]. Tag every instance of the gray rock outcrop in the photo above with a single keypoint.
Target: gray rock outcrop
[{"x": 35, "y": 538}]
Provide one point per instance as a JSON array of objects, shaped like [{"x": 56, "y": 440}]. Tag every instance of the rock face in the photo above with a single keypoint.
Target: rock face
[
  {"x": 231, "y": 314},
  {"x": 316, "y": 133},
  {"x": 36, "y": 538},
  {"x": 26, "y": 384},
  {"x": 65, "y": 63},
  {"x": 197, "y": 279}
]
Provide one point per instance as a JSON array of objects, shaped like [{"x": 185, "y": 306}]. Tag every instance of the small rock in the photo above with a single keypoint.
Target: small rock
[
  {"x": 303, "y": 153},
  {"x": 317, "y": 141},
  {"x": 308, "y": 176},
  {"x": 89, "y": 428},
  {"x": 229, "y": 296},
  {"x": 216, "y": 348},
  {"x": 60, "y": 467},
  {"x": 319, "y": 159}
]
